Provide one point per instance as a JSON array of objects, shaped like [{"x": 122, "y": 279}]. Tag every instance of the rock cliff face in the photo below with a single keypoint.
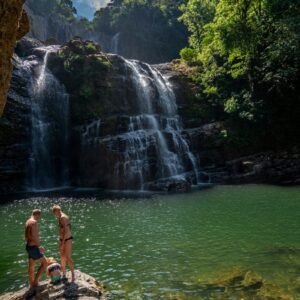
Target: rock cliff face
[
  {"x": 123, "y": 127},
  {"x": 123, "y": 121},
  {"x": 15, "y": 132},
  {"x": 85, "y": 288},
  {"x": 13, "y": 25},
  {"x": 56, "y": 27}
]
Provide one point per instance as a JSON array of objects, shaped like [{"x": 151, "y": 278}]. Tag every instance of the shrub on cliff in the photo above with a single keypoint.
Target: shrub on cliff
[{"x": 248, "y": 57}]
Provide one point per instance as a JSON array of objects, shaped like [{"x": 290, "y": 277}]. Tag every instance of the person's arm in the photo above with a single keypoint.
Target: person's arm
[{"x": 27, "y": 232}]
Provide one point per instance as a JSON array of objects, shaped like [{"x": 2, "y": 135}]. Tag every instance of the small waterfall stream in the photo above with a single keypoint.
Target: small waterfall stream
[
  {"x": 114, "y": 44},
  {"x": 49, "y": 164}
]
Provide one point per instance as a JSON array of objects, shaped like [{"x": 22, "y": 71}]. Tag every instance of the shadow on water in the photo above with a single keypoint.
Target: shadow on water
[{"x": 99, "y": 194}]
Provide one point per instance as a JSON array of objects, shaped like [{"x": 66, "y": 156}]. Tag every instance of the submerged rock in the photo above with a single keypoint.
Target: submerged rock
[
  {"x": 85, "y": 288},
  {"x": 241, "y": 284},
  {"x": 169, "y": 185}
]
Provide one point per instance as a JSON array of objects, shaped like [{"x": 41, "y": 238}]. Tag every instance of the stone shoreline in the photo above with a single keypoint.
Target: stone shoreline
[{"x": 85, "y": 288}]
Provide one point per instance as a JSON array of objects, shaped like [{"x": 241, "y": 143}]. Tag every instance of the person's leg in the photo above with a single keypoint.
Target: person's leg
[
  {"x": 41, "y": 269},
  {"x": 31, "y": 264},
  {"x": 62, "y": 259},
  {"x": 68, "y": 254}
]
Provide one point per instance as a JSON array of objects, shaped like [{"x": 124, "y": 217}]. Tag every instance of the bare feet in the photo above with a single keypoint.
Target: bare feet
[
  {"x": 31, "y": 291},
  {"x": 64, "y": 278},
  {"x": 35, "y": 284}
]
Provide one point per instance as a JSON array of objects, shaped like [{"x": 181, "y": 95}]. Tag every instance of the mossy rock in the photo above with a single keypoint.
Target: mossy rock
[
  {"x": 82, "y": 59},
  {"x": 79, "y": 46},
  {"x": 176, "y": 296},
  {"x": 84, "y": 72},
  {"x": 271, "y": 292},
  {"x": 252, "y": 280},
  {"x": 240, "y": 284},
  {"x": 296, "y": 284},
  {"x": 228, "y": 278}
]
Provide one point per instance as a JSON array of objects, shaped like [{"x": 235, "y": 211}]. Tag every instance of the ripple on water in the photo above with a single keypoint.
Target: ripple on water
[{"x": 157, "y": 248}]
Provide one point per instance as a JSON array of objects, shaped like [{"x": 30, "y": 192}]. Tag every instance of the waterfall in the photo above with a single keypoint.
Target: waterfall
[
  {"x": 154, "y": 148},
  {"x": 115, "y": 43},
  {"x": 49, "y": 165}
]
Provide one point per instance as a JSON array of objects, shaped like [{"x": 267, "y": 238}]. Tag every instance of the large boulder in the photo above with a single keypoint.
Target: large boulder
[
  {"x": 13, "y": 25},
  {"x": 85, "y": 288}
]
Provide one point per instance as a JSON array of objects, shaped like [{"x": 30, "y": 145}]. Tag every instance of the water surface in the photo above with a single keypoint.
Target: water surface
[{"x": 155, "y": 247}]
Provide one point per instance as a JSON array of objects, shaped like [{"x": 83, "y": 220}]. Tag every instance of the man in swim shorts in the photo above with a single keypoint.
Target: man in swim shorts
[{"x": 34, "y": 249}]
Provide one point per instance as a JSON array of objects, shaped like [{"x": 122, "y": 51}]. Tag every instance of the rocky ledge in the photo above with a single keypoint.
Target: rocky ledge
[
  {"x": 225, "y": 164},
  {"x": 85, "y": 288}
]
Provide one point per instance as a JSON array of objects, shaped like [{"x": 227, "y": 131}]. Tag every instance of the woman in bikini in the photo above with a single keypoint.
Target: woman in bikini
[{"x": 65, "y": 241}]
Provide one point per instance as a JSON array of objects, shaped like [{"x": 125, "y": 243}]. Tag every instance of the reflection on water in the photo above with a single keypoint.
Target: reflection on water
[{"x": 159, "y": 246}]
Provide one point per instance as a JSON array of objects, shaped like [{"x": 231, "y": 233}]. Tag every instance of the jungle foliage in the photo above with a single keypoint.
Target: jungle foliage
[{"x": 245, "y": 58}]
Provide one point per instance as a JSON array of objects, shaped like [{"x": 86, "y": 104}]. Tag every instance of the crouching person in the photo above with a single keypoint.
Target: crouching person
[{"x": 53, "y": 270}]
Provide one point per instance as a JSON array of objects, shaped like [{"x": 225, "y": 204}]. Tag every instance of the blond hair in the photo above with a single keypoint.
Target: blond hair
[
  {"x": 55, "y": 208},
  {"x": 36, "y": 212},
  {"x": 51, "y": 260}
]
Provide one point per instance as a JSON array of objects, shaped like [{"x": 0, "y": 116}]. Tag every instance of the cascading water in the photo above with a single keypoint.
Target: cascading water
[
  {"x": 154, "y": 146},
  {"x": 50, "y": 121},
  {"x": 115, "y": 43}
]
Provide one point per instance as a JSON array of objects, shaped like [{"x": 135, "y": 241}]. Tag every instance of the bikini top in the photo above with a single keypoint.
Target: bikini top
[{"x": 61, "y": 226}]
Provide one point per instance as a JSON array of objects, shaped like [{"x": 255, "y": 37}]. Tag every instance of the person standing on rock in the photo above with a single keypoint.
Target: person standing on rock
[
  {"x": 65, "y": 240},
  {"x": 34, "y": 249}
]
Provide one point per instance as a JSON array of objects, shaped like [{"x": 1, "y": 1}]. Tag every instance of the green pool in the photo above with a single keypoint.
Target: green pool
[{"x": 164, "y": 246}]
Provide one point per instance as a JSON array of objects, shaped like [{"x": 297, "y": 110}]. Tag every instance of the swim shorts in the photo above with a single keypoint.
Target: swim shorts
[{"x": 34, "y": 252}]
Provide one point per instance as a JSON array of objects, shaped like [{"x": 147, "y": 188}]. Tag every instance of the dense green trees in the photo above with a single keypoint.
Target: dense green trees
[
  {"x": 61, "y": 7},
  {"x": 149, "y": 29},
  {"x": 247, "y": 56},
  {"x": 66, "y": 8}
]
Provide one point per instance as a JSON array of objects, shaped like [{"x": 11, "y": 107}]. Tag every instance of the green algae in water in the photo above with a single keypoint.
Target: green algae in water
[{"x": 168, "y": 247}]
